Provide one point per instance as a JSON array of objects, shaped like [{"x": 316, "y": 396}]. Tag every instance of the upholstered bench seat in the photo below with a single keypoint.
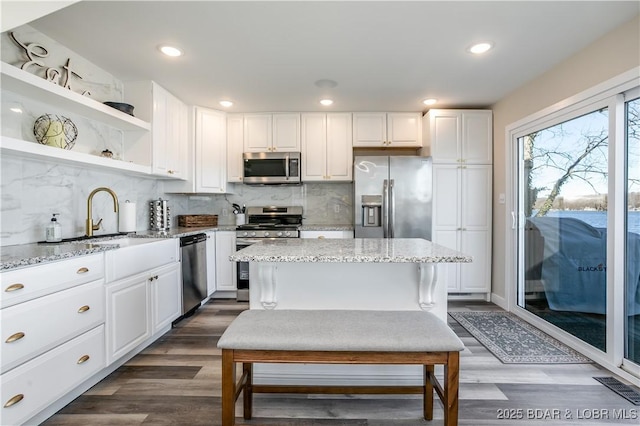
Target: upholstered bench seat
[{"x": 340, "y": 336}]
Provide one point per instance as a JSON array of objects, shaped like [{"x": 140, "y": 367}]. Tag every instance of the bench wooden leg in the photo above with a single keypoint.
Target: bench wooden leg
[
  {"x": 451, "y": 371},
  {"x": 228, "y": 388},
  {"x": 429, "y": 371},
  {"x": 247, "y": 392}
]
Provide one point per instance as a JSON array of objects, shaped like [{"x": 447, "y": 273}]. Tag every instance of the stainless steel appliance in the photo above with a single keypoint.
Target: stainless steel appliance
[
  {"x": 268, "y": 222},
  {"x": 271, "y": 168},
  {"x": 193, "y": 258},
  {"x": 393, "y": 197}
]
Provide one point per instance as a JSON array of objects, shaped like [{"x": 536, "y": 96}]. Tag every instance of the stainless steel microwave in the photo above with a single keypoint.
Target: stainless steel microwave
[{"x": 271, "y": 168}]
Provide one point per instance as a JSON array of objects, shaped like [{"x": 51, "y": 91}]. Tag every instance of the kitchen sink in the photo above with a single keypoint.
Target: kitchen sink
[{"x": 124, "y": 242}]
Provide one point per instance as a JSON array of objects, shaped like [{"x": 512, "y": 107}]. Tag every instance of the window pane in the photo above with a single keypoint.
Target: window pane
[
  {"x": 632, "y": 293},
  {"x": 564, "y": 244}
]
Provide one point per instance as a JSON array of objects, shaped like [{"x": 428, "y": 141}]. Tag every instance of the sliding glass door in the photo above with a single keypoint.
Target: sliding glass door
[
  {"x": 563, "y": 208},
  {"x": 632, "y": 240}
]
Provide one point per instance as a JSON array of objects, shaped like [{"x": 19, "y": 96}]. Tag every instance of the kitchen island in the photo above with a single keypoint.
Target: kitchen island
[{"x": 365, "y": 274}]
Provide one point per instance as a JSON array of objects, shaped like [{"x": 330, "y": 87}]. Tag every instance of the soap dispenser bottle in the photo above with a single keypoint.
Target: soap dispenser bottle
[{"x": 54, "y": 230}]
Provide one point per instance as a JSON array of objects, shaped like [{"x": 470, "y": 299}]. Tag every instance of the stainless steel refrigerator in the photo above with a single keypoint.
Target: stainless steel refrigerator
[{"x": 393, "y": 197}]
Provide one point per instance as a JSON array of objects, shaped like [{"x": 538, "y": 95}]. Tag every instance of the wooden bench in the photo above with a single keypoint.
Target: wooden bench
[{"x": 340, "y": 337}]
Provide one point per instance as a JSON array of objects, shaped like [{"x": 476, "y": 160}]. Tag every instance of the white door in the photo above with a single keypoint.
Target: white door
[
  {"x": 257, "y": 132},
  {"x": 286, "y": 132},
  {"x": 477, "y": 137},
  {"x": 339, "y": 152},
  {"x": 211, "y": 151},
  {"x": 235, "y": 146},
  {"x": 404, "y": 129},
  {"x": 166, "y": 296},
  {"x": 225, "y": 269},
  {"x": 314, "y": 149},
  {"x": 369, "y": 129},
  {"x": 444, "y": 130}
]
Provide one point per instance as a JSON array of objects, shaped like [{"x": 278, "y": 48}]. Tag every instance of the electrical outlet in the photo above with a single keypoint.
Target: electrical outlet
[
  {"x": 225, "y": 212},
  {"x": 336, "y": 208}
]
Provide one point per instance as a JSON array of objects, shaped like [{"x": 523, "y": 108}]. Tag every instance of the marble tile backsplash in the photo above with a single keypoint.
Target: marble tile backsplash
[
  {"x": 32, "y": 190},
  {"x": 322, "y": 203}
]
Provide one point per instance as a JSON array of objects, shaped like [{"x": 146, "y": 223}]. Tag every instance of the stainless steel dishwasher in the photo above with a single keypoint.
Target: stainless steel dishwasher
[{"x": 193, "y": 257}]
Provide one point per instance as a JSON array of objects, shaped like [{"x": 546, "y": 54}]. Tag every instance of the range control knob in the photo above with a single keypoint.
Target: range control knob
[
  {"x": 287, "y": 234},
  {"x": 279, "y": 234},
  {"x": 266, "y": 233},
  {"x": 253, "y": 234},
  {"x": 245, "y": 234}
]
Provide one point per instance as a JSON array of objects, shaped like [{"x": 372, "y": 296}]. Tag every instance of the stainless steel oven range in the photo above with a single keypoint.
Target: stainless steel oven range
[{"x": 267, "y": 222}]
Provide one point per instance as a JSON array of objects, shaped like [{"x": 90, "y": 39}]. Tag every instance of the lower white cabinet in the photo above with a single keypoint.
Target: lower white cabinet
[
  {"x": 211, "y": 263},
  {"x": 225, "y": 269},
  {"x": 31, "y": 328},
  {"x": 326, "y": 234},
  {"x": 139, "y": 306},
  {"x": 33, "y": 386},
  {"x": 462, "y": 221}
]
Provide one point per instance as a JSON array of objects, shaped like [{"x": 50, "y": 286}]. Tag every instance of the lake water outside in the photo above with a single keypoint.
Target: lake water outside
[{"x": 597, "y": 219}]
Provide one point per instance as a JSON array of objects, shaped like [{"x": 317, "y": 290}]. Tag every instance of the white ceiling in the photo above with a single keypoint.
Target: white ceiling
[{"x": 385, "y": 56}]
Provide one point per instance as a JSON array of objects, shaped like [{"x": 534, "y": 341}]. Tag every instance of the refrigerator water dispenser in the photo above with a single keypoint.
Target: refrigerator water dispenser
[{"x": 371, "y": 210}]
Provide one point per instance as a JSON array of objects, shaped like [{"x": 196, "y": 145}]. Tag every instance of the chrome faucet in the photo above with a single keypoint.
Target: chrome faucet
[{"x": 90, "y": 226}]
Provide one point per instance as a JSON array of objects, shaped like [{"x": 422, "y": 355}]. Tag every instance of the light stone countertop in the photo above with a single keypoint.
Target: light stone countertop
[
  {"x": 21, "y": 255},
  {"x": 326, "y": 228},
  {"x": 357, "y": 250}
]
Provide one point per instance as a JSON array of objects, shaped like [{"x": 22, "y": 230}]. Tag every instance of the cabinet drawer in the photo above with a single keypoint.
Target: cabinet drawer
[
  {"x": 48, "y": 377},
  {"x": 24, "y": 284},
  {"x": 127, "y": 261},
  {"x": 33, "y": 327}
]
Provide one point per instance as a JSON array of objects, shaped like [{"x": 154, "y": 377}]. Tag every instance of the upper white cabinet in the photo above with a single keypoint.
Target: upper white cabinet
[
  {"x": 235, "y": 146},
  {"x": 459, "y": 136},
  {"x": 209, "y": 160},
  {"x": 387, "y": 130},
  {"x": 134, "y": 148},
  {"x": 170, "y": 132},
  {"x": 327, "y": 153},
  {"x": 271, "y": 132}
]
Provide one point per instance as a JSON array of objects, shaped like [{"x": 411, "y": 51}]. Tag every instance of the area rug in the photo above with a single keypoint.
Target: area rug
[{"x": 513, "y": 341}]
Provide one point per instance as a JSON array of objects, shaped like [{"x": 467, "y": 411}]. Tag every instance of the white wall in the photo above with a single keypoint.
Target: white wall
[{"x": 611, "y": 55}]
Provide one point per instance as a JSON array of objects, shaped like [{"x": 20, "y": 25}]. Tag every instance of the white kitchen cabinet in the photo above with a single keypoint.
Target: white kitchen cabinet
[
  {"x": 68, "y": 313},
  {"x": 235, "y": 147},
  {"x": 135, "y": 146},
  {"x": 326, "y": 234},
  {"x": 34, "y": 386},
  {"x": 52, "y": 321},
  {"x": 209, "y": 160},
  {"x": 128, "y": 312},
  {"x": 272, "y": 132},
  {"x": 143, "y": 294},
  {"x": 169, "y": 120},
  {"x": 211, "y": 263},
  {"x": 462, "y": 221},
  {"x": 459, "y": 136},
  {"x": 166, "y": 296},
  {"x": 225, "y": 269},
  {"x": 387, "y": 130},
  {"x": 327, "y": 152},
  {"x": 24, "y": 284}
]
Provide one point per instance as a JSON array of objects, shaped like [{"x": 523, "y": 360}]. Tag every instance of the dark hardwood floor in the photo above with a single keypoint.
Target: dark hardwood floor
[{"x": 176, "y": 381}]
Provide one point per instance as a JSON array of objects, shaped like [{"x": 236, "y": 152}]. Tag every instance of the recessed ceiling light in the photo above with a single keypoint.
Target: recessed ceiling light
[
  {"x": 226, "y": 104},
  {"x": 17, "y": 110},
  {"x": 480, "y": 48},
  {"x": 430, "y": 101},
  {"x": 170, "y": 51},
  {"x": 326, "y": 102}
]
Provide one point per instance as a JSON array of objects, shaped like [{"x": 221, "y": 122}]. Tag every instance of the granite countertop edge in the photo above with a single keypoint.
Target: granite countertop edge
[{"x": 22, "y": 255}]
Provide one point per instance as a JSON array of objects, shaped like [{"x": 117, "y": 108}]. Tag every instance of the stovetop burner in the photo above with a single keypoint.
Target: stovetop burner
[{"x": 271, "y": 222}]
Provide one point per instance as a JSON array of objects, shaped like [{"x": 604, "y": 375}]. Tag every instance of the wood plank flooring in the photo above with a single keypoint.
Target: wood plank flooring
[{"x": 176, "y": 381}]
